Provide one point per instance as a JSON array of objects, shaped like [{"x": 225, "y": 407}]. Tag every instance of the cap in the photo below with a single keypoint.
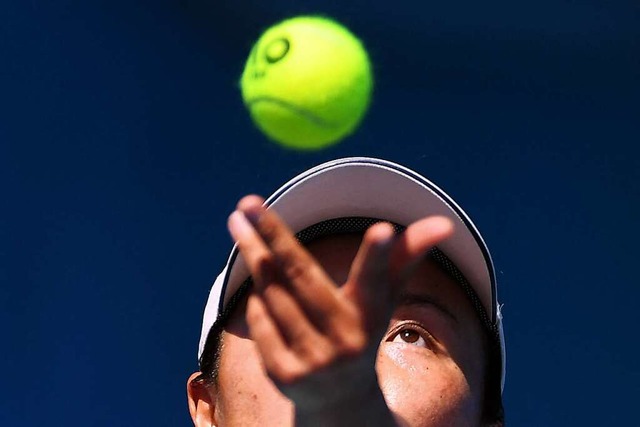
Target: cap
[{"x": 379, "y": 189}]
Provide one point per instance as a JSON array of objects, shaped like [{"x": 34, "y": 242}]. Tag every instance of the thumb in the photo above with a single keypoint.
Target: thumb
[
  {"x": 369, "y": 285},
  {"x": 384, "y": 263},
  {"x": 411, "y": 246}
]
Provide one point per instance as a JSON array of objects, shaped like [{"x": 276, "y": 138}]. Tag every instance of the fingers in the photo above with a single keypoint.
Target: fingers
[
  {"x": 290, "y": 343},
  {"x": 303, "y": 276},
  {"x": 300, "y": 335},
  {"x": 287, "y": 315},
  {"x": 273, "y": 349},
  {"x": 286, "y": 361},
  {"x": 256, "y": 254},
  {"x": 313, "y": 337},
  {"x": 298, "y": 313}
]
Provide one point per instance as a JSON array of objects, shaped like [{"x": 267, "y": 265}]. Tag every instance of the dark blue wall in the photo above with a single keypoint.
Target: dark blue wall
[{"x": 124, "y": 145}]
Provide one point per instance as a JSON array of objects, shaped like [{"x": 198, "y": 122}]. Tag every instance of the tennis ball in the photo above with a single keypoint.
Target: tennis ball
[{"x": 307, "y": 82}]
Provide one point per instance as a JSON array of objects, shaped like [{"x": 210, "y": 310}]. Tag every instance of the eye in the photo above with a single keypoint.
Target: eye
[
  {"x": 411, "y": 334},
  {"x": 276, "y": 50}
]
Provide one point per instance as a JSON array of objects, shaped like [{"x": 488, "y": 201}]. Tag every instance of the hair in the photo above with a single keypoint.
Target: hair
[
  {"x": 209, "y": 362},
  {"x": 493, "y": 411}
]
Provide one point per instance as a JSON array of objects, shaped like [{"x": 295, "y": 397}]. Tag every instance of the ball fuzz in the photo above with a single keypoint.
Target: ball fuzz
[{"x": 307, "y": 82}]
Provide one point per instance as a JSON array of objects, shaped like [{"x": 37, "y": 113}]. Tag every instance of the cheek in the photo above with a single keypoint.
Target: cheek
[
  {"x": 424, "y": 389},
  {"x": 246, "y": 395}
]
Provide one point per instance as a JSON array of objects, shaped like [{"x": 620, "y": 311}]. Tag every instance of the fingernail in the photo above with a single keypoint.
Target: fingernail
[
  {"x": 385, "y": 237},
  {"x": 253, "y": 214},
  {"x": 386, "y": 241},
  {"x": 238, "y": 225}
]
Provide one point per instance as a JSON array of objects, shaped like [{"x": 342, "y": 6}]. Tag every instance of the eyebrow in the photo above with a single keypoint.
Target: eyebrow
[{"x": 422, "y": 300}]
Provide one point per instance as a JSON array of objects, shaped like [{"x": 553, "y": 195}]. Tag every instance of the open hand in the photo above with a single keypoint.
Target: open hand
[{"x": 318, "y": 340}]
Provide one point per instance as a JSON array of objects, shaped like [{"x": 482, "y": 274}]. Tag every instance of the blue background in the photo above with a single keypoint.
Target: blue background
[{"x": 124, "y": 145}]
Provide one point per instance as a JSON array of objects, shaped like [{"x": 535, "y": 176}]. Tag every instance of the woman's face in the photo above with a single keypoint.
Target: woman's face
[{"x": 430, "y": 364}]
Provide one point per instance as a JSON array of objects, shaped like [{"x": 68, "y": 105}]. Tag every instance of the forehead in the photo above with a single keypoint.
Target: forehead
[
  {"x": 428, "y": 288},
  {"x": 337, "y": 252}
]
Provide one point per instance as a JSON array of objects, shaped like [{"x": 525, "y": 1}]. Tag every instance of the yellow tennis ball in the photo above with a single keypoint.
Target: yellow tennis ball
[{"x": 307, "y": 82}]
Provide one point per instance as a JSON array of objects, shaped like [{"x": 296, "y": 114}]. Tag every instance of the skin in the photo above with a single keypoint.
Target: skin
[{"x": 352, "y": 330}]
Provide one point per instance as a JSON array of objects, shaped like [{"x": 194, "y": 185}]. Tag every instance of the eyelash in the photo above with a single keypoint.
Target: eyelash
[{"x": 422, "y": 333}]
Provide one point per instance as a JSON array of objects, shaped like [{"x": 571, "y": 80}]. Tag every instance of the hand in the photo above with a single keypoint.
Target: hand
[{"x": 318, "y": 341}]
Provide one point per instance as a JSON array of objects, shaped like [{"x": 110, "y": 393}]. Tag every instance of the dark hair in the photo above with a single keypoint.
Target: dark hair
[
  {"x": 493, "y": 410},
  {"x": 209, "y": 362}
]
